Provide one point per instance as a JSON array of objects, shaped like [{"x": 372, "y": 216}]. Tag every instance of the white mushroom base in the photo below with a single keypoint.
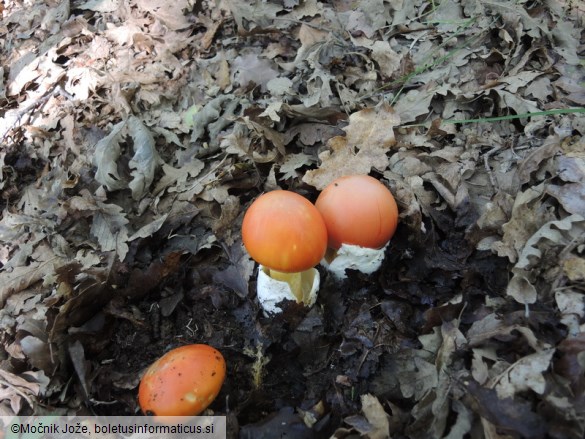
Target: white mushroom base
[
  {"x": 271, "y": 292},
  {"x": 354, "y": 257}
]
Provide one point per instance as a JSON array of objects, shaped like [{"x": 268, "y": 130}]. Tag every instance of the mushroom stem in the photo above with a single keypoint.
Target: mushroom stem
[
  {"x": 293, "y": 279},
  {"x": 275, "y": 286}
]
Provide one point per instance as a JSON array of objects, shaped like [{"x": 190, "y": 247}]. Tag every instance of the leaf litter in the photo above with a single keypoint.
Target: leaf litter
[{"x": 133, "y": 135}]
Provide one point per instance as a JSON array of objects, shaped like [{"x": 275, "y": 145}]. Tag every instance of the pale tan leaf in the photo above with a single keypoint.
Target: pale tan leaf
[
  {"x": 259, "y": 12},
  {"x": 272, "y": 111},
  {"x": 251, "y": 68},
  {"x": 111, "y": 233},
  {"x": 101, "y": 5},
  {"x": 531, "y": 163},
  {"x": 107, "y": 152},
  {"x": 490, "y": 326},
  {"x": 279, "y": 87},
  {"x": 479, "y": 368},
  {"x": 574, "y": 268},
  {"x": 570, "y": 195},
  {"x": 525, "y": 374},
  {"x": 550, "y": 235},
  {"x": 387, "y": 59},
  {"x": 81, "y": 81},
  {"x": 464, "y": 422},
  {"x": 145, "y": 160},
  {"x": 570, "y": 302},
  {"x": 528, "y": 216},
  {"x": 148, "y": 229},
  {"x": 413, "y": 104},
  {"x": 319, "y": 91},
  {"x": 16, "y": 390},
  {"x": 376, "y": 416},
  {"x": 41, "y": 267},
  {"x": 292, "y": 163},
  {"x": 571, "y": 305},
  {"x": 108, "y": 222},
  {"x": 169, "y": 12},
  {"x": 418, "y": 379},
  {"x": 178, "y": 177},
  {"x": 370, "y": 135},
  {"x": 87, "y": 258}
]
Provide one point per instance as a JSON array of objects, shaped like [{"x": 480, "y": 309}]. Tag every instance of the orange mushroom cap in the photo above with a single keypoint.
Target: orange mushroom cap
[
  {"x": 183, "y": 382},
  {"x": 284, "y": 231},
  {"x": 358, "y": 210}
]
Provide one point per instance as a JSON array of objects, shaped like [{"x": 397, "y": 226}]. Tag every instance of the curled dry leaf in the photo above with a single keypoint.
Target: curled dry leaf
[
  {"x": 143, "y": 164},
  {"x": 145, "y": 160},
  {"x": 105, "y": 159},
  {"x": 551, "y": 238}
]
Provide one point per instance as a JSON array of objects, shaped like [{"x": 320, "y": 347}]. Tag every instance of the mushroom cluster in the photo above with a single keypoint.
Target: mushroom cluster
[{"x": 355, "y": 217}]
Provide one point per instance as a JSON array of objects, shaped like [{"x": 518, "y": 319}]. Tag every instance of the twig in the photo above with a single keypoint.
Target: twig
[{"x": 39, "y": 102}]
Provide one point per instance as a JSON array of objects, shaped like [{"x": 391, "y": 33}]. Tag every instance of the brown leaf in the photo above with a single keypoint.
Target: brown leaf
[
  {"x": 525, "y": 374},
  {"x": 377, "y": 417},
  {"x": 492, "y": 327},
  {"x": 42, "y": 266},
  {"x": 38, "y": 353},
  {"x": 532, "y": 162},
  {"x": 81, "y": 366},
  {"x": 571, "y": 196},
  {"x": 370, "y": 135},
  {"x": 16, "y": 390},
  {"x": 292, "y": 163},
  {"x": 574, "y": 268},
  {"x": 251, "y": 68},
  {"x": 509, "y": 415},
  {"x": 570, "y": 364}
]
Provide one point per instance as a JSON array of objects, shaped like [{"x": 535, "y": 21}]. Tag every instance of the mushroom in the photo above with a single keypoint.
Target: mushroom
[
  {"x": 361, "y": 216},
  {"x": 285, "y": 234},
  {"x": 183, "y": 382}
]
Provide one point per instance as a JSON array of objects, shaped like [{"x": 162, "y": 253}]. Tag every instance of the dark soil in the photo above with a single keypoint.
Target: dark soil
[{"x": 333, "y": 353}]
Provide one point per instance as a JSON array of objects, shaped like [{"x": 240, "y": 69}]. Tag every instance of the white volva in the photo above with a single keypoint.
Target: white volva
[
  {"x": 366, "y": 260},
  {"x": 271, "y": 291}
]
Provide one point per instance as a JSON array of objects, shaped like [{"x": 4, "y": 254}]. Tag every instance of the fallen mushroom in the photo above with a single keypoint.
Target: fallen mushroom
[
  {"x": 183, "y": 382},
  {"x": 361, "y": 216},
  {"x": 285, "y": 234}
]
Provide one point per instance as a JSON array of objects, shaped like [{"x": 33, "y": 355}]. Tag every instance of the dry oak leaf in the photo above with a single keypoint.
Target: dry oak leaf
[
  {"x": 16, "y": 389},
  {"x": 526, "y": 373},
  {"x": 376, "y": 416},
  {"x": 369, "y": 136}
]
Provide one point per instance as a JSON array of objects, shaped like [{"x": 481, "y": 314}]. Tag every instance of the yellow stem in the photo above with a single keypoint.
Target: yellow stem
[{"x": 293, "y": 279}]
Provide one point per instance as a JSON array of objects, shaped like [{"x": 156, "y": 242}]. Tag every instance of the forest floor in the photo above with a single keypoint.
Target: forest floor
[{"x": 135, "y": 133}]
